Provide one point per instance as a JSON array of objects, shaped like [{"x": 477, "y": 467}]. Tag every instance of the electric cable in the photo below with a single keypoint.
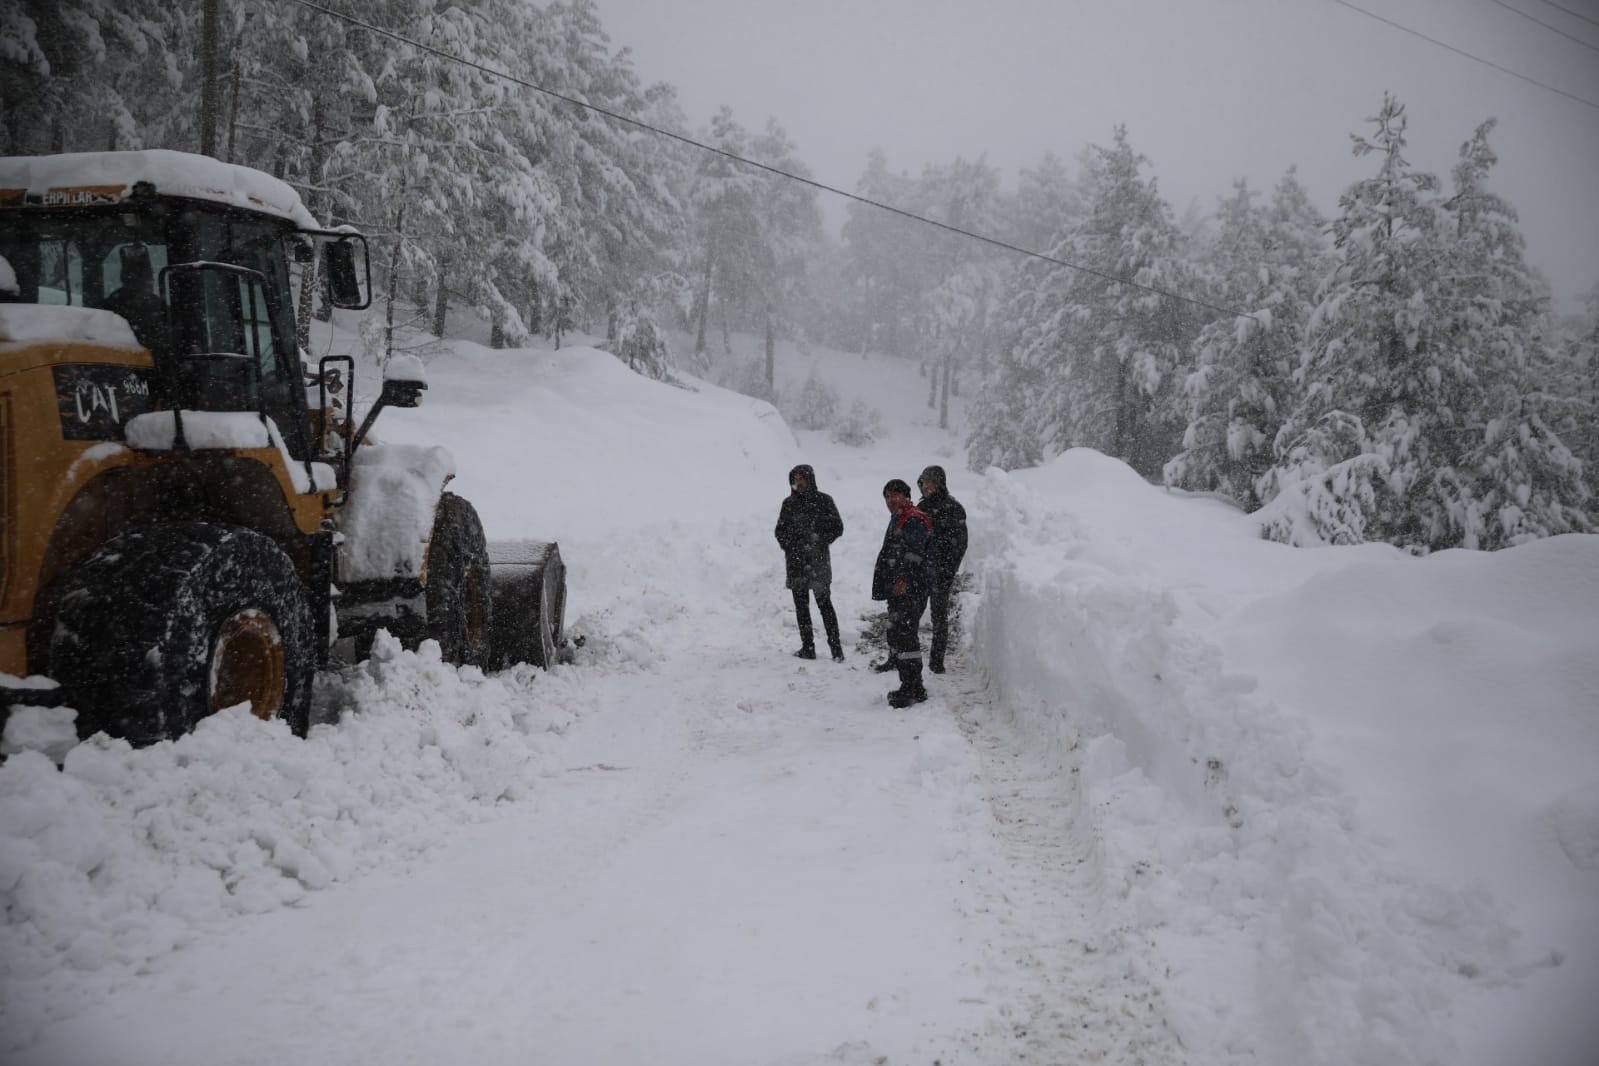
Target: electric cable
[
  {"x": 1475, "y": 58},
  {"x": 1547, "y": 26},
  {"x": 1573, "y": 14}
]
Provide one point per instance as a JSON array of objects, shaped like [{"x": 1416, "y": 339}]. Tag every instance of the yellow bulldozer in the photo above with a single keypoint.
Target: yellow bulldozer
[{"x": 190, "y": 516}]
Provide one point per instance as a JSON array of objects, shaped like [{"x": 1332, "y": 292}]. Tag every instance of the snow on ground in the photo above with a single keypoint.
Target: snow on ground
[{"x": 1185, "y": 796}]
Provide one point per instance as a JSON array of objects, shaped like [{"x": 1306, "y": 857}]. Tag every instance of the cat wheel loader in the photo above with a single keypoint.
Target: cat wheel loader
[{"x": 191, "y": 519}]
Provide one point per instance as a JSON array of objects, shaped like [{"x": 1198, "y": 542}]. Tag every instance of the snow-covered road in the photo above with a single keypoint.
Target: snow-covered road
[{"x": 741, "y": 858}]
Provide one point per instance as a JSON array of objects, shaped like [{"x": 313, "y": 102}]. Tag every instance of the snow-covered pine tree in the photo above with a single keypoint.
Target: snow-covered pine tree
[
  {"x": 724, "y": 203},
  {"x": 1046, "y": 202},
  {"x": 1352, "y": 451},
  {"x": 880, "y": 263},
  {"x": 1266, "y": 262},
  {"x": 960, "y": 284},
  {"x": 1107, "y": 357},
  {"x": 1567, "y": 376},
  {"x": 1515, "y": 479},
  {"x": 1416, "y": 426},
  {"x": 62, "y": 60},
  {"x": 790, "y": 229}
]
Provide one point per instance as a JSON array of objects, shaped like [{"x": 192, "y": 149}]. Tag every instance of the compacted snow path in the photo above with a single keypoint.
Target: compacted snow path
[{"x": 1069, "y": 975}]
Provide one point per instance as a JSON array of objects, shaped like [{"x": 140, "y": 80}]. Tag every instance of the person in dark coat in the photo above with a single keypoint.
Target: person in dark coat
[
  {"x": 902, "y": 577},
  {"x": 807, "y": 524},
  {"x": 946, "y": 552}
]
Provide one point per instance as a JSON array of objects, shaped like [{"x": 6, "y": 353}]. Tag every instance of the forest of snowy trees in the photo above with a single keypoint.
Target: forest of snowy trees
[{"x": 1394, "y": 371}]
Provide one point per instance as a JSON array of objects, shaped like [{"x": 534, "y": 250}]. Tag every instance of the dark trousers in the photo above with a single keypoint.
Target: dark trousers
[
  {"x": 802, "y": 615},
  {"x": 904, "y": 620},
  {"x": 938, "y": 600}
]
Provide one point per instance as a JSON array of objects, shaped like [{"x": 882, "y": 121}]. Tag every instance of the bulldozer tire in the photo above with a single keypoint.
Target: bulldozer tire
[
  {"x": 458, "y": 591},
  {"x": 529, "y": 607},
  {"x": 165, "y": 625}
]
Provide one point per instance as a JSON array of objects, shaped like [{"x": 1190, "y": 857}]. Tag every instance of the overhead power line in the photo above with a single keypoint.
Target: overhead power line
[
  {"x": 1468, "y": 55},
  {"x": 1573, "y": 14},
  {"x": 1547, "y": 26},
  {"x": 702, "y": 146}
]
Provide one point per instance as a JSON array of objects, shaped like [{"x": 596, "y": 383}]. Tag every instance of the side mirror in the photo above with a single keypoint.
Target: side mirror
[
  {"x": 349, "y": 273},
  {"x": 397, "y": 393}
]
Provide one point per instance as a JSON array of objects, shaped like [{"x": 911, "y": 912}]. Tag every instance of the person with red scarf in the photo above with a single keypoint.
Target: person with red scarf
[{"x": 903, "y": 577}]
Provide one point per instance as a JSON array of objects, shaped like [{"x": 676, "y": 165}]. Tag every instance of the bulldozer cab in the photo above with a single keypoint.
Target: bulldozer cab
[{"x": 204, "y": 289}]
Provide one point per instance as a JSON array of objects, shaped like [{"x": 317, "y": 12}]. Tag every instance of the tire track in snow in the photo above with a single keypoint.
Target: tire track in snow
[{"x": 1073, "y": 980}]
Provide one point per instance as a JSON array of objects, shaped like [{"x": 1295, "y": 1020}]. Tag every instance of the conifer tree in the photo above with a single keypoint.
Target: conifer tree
[
  {"x": 1106, "y": 357},
  {"x": 1419, "y": 425},
  {"x": 880, "y": 263},
  {"x": 1266, "y": 262}
]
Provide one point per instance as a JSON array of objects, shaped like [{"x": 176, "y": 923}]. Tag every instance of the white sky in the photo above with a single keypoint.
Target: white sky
[{"x": 1210, "y": 90}]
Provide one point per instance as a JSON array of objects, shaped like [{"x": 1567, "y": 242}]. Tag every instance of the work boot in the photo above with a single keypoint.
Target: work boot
[
  {"x": 807, "y": 652},
  {"x": 935, "y": 657},
  {"x": 830, "y": 623},
  {"x": 910, "y": 685},
  {"x": 883, "y": 666}
]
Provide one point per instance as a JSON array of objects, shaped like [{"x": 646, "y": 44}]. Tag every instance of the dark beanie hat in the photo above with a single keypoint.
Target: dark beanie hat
[
  {"x": 898, "y": 486},
  {"x": 935, "y": 474}
]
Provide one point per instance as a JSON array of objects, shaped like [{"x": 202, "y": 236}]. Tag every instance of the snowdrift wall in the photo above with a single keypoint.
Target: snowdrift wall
[{"x": 1239, "y": 853}]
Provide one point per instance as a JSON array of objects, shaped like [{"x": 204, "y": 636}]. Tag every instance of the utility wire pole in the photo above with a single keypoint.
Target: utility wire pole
[{"x": 208, "y": 78}]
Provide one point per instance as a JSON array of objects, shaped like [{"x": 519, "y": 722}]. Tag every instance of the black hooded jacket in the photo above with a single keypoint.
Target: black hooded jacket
[
  {"x": 807, "y": 523},
  {"x": 948, "y": 545}
]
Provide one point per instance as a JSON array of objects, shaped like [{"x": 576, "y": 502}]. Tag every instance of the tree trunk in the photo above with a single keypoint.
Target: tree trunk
[
  {"x": 704, "y": 302},
  {"x": 441, "y": 304},
  {"x": 943, "y": 403},
  {"x": 233, "y": 111},
  {"x": 311, "y": 279},
  {"x": 771, "y": 353},
  {"x": 394, "y": 274},
  {"x": 932, "y": 386},
  {"x": 208, "y": 77},
  {"x": 1124, "y": 414}
]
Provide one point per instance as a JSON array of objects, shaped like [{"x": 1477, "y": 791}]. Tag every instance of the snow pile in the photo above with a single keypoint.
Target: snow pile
[
  {"x": 22, "y": 323},
  {"x": 387, "y": 519},
  {"x": 1230, "y": 820},
  {"x": 122, "y": 856},
  {"x": 157, "y": 431},
  {"x": 51, "y": 730}
]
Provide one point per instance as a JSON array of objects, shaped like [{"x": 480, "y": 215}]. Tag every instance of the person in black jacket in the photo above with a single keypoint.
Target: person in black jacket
[
  {"x": 946, "y": 551},
  {"x": 902, "y": 577},
  {"x": 807, "y": 524}
]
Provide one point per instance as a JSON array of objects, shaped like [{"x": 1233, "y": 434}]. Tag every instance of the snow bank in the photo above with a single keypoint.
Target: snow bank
[
  {"x": 1227, "y": 818},
  {"x": 122, "y": 856}
]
